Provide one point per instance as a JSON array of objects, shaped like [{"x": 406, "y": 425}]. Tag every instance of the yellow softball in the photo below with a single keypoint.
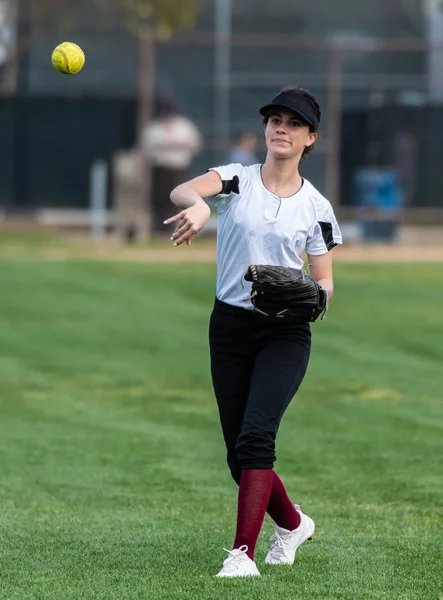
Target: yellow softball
[{"x": 68, "y": 58}]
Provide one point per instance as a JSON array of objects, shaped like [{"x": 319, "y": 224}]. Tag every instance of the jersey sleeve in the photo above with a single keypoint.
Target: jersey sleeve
[
  {"x": 324, "y": 234},
  {"x": 230, "y": 176}
]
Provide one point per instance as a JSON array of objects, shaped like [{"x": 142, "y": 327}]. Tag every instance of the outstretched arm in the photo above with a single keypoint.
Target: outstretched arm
[{"x": 195, "y": 212}]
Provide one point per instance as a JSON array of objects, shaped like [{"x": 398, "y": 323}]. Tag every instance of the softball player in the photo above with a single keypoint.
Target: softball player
[{"x": 268, "y": 214}]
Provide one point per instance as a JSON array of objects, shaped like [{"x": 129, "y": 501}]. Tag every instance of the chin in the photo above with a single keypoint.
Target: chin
[{"x": 282, "y": 153}]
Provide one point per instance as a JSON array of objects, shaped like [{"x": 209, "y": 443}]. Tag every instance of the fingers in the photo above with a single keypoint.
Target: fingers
[
  {"x": 186, "y": 233},
  {"x": 181, "y": 227},
  {"x": 186, "y": 229},
  {"x": 185, "y": 237},
  {"x": 174, "y": 218}
]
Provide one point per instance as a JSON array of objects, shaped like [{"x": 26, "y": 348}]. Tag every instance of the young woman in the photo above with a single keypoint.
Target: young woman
[{"x": 268, "y": 214}]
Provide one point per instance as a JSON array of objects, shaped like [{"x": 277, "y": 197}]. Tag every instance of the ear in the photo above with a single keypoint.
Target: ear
[{"x": 311, "y": 138}]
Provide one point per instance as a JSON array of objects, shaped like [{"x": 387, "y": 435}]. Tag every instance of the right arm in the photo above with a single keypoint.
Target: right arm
[{"x": 195, "y": 212}]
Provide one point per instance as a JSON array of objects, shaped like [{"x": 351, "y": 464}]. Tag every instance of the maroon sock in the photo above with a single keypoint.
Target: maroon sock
[
  {"x": 253, "y": 498},
  {"x": 280, "y": 507}
]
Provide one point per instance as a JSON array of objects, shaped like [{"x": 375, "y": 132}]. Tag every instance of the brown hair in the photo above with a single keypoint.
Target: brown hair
[{"x": 298, "y": 91}]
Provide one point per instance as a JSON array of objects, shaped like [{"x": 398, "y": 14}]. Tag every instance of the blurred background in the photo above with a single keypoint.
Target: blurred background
[{"x": 171, "y": 88}]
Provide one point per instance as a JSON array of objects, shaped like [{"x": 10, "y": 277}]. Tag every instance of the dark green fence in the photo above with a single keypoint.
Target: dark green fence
[{"x": 47, "y": 147}]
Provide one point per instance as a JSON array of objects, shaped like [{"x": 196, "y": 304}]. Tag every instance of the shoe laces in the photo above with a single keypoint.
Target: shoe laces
[
  {"x": 235, "y": 558},
  {"x": 279, "y": 543}
]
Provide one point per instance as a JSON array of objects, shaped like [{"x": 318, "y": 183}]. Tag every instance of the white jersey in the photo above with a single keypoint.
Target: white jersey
[{"x": 257, "y": 227}]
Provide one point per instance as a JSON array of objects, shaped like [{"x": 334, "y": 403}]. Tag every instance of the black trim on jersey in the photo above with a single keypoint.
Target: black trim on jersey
[
  {"x": 231, "y": 185},
  {"x": 328, "y": 238}
]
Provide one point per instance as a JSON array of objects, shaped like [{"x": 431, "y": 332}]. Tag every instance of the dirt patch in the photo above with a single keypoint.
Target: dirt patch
[
  {"x": 349, "y": 254},
  {"x": 389, "y": 253},
  {"x": 200, "y": 251}
]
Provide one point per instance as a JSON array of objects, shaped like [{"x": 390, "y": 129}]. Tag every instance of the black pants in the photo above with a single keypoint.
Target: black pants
[{"x": 257, "y": 367}]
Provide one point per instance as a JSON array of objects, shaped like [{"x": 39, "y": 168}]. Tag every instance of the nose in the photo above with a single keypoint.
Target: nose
[{"x": 281, "y": 129}]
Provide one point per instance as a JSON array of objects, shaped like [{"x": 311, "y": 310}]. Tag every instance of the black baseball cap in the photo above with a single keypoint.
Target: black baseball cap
[{"x": 297, "y": 103}]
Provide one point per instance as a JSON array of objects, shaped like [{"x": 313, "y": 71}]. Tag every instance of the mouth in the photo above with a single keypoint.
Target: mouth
[{"x": 281, "y": 141}]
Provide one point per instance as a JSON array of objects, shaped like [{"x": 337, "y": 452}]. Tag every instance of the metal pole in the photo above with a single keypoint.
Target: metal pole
[
  {"x": 333, "y": 156},
  {"x": 146, "y": 82},
  {"x": 21, "y": 193},
  {"x": 434, "y": 32},
  {"x": 145, "y": 78},
  {"x": 98, "y": 195},
  {"x": 222, "y": 66}
]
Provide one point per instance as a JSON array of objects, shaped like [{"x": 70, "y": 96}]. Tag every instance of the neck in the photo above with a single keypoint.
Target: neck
[{"x": 281, "y": 174}]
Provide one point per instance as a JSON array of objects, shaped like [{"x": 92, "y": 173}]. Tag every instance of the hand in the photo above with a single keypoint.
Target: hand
[{"x": 191, "y": 221}]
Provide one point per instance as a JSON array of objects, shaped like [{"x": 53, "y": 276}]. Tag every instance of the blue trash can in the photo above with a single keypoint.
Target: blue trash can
[{"x": 379, "y": 198}]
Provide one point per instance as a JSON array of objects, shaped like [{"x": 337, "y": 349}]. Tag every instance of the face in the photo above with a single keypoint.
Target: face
[{"x": 287, "y": 135}]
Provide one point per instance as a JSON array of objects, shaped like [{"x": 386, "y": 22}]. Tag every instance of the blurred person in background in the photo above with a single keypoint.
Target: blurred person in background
[
  {"x": 169, "y": 141},
  {"x": 243, "y": 151},
  {"x": 379, "y": 196},
  {"x": 267, "y": 214}
]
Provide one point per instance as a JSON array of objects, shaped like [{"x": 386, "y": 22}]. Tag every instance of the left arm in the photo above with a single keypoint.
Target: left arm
[{"x": 320, "y": 268}]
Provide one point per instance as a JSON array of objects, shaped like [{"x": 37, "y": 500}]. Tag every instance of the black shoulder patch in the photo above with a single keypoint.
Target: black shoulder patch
[
  {"x": 326, "y": 230},
  {"x": 231, "y": 185}
]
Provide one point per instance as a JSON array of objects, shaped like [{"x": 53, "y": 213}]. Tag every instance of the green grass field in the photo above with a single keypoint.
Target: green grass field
[{"x": 113, "y": 482}]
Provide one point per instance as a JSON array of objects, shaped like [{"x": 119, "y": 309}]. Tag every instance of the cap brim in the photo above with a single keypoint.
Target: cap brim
[{"x": 264, "y": 111}]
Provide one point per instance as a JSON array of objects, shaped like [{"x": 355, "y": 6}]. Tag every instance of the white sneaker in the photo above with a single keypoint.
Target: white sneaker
[
  {"x": 285, "y": 543},
  {"x": 238, "y": 564}
]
